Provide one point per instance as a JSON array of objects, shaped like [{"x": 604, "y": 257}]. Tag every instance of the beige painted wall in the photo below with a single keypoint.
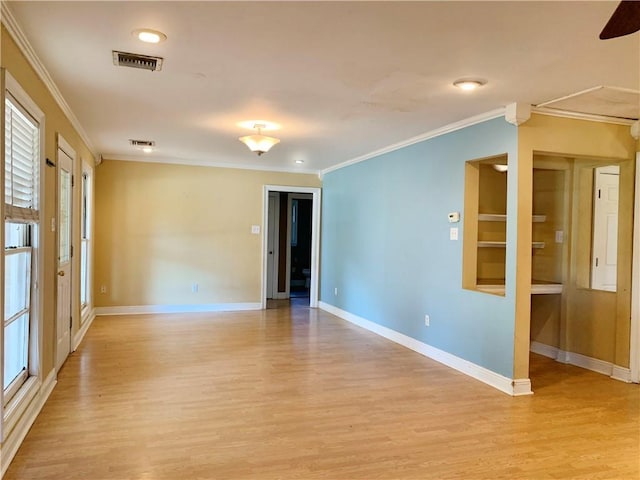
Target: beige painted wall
[
  {"x": 161, "y": 228},
  {"x": 591, "y": 325},
  {"x": 55, "y": 122}
]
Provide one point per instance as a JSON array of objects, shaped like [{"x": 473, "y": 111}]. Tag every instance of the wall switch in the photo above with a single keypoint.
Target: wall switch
[
  {"x": 453, "y": 233},
  {"x": 103, "y": 289},
  {"x": 255, "y": 229},
  {"x": 194, "y": 288},
  {"x": 426, "y": 320},
  {"x": 559, "y": 236},
  {"x": 335, "y": 291}
]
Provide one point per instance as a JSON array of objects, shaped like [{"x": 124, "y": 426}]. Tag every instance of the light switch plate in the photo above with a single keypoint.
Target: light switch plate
[
  {"x": 453, "y": 233},
  {"x": 255, "y": 229}
]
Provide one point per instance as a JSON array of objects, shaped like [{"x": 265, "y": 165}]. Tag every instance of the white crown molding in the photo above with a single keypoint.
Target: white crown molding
[
  {"x": 554, "y": 112},
  {"x": 151, "y": 309},
  {"x": 16, "y": 32},
  {"x": 452, "y": 127},
  {"x": 514, "y": 387},
  {"x": 201, "y": 163}
]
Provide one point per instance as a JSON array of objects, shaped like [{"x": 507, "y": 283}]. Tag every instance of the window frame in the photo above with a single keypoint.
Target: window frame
[
  {"x": 15, "y": 406},
  {"x": 86, "y": 239}
]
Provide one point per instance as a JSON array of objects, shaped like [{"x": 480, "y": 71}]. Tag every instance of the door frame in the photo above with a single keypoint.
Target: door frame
[
  {"x": 634, "y": 353},
  {"x": 63, "y": 145},
  {"x": 291, "y": 196},
  {"x": 276, "y": 241},
  {"x": 315, "y": 238}
]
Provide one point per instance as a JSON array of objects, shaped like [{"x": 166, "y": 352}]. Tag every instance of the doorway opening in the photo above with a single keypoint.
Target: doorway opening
[{"x": 291, "y": 220}]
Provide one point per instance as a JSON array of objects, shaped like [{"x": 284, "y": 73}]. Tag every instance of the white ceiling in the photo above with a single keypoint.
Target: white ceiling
[{"x": 343, "y": 79}]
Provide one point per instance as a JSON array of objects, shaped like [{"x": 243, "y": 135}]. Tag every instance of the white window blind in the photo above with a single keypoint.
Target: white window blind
[{"x": 21, "y": 164}]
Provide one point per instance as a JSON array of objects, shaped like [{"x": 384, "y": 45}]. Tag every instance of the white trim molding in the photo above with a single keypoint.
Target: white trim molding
[
  {"x": 13, "y": 441},
  {"x": 82, "y": 331},
  {"x": 14, "y": 29},
  {"x": 554, "y": 112},
  {"x": 452, "y": 127},
  {"x": 514, "y": 387},
  {"x": 634, "y": 353},
  {"x": 594, "y": 364},
  {"x": 204, "y": 308}
]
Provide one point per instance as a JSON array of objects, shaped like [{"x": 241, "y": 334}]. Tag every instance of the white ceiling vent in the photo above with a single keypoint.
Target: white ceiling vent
[
  {"x": 142, "y": 143},
  {"x": 134, "y": 60}
]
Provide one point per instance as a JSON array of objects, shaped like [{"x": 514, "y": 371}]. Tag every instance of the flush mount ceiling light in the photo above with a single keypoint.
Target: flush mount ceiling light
[
  {"x": 259, "y": 143},
  {"x": 500, "y": 168},
  {"x": 469, "y": 84},
  {"x": 299, "y": 162},
  {"x": 149, "y": 36}
]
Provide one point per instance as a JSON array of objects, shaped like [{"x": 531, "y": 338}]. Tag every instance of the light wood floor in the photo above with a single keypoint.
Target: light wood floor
[{"x": 304, "y": 395}]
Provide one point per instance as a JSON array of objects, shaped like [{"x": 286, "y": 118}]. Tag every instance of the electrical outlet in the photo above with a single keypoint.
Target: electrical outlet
[
  {"x": 426, "y": 320},
  {"x": 194, "y": 288},
  {"x": 103, "y": 289},
  {"x": 335, "y": 291}
]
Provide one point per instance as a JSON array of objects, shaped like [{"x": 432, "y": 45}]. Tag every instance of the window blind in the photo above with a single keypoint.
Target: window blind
[{"x": 21, "y": 164}]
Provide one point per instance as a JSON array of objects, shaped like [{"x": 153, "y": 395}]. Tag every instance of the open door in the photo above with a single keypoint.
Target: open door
[{"x": 64, "y": 229}]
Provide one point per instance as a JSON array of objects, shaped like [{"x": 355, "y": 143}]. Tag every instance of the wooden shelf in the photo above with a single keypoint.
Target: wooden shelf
[
  {"x": 499, "y": 217},
  {"x": 492, "y": 244},
  {"x": 537, "y": 288}
]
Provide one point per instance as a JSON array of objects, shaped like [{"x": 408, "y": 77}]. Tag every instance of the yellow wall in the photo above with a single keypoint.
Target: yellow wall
[
  {"x": 595, "y": 324},
  {"x": 55, "y": 122},
  {"x": 161, "y": 228}
]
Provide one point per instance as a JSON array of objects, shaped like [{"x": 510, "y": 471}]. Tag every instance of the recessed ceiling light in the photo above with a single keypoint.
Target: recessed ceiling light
[
  {"x": 469, "y": 84},
  {"x": 299, "y": 161},
  {"x": 149, "y": 36}
]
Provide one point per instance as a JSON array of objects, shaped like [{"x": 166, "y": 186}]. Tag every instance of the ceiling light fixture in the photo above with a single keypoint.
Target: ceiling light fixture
[
  {"x": 259, "y": 143},
  {"x": 149, "y": 36},
  {"x": 469, "y": 84},
  {"x": 299, "y": 161}
]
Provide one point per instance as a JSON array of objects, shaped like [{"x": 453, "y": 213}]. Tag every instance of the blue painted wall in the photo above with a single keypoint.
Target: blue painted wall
[{"x": 386, "y": 247}]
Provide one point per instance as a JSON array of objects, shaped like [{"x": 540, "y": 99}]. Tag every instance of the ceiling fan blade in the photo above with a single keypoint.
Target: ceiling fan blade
[{"x": 625, "y": 20}]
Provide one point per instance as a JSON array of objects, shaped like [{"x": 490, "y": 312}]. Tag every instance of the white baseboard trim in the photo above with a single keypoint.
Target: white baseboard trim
[
  {"x": 545, "y": 350},
  {"x": 594, "y": 364},
  {"x": 142, "y": 309},
  {"x": 79, "y": 335},
  {"x": 12, "y": 443},
  {"x": 504, "y": 384},
  {"x": 621, "y": 373},
  {"x": 280, "y": 296}
]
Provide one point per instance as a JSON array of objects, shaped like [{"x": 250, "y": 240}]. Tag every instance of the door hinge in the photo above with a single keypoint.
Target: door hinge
[
  {"x": 599, "y": 191},
  {"x": 596, "y": 261},
  {"x": 73, "y": 180},
  {"x": 70, "y": 322},
  {"x": 71, "y": 250}
]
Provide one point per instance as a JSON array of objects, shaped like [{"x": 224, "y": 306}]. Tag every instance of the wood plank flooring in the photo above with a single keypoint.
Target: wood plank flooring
[{"x": 300, "y": 394}]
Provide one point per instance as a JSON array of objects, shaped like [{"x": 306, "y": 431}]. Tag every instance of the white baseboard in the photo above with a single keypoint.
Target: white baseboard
[
  {"x": 594, "y": 364},
  {"x": 79, "y": 335},
  {"x": 504, "y": 384},
  {"x": 280, "y": 296},
  {"x": 545, "y": 350},
  {"x": 13, "y": 441},
  {"x": 621, "y": 373},
  {"x": 142, "y": 309}
]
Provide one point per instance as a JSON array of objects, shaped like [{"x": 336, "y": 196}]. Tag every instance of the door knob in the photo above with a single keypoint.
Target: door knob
[{"x": 61, "y": 273}]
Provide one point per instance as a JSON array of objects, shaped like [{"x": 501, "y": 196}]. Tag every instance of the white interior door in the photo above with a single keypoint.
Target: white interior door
[
  {"x": 63, "y": 317},
  {"x": 605, "y": 228},
  {"x": 272, "y": 267}
]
